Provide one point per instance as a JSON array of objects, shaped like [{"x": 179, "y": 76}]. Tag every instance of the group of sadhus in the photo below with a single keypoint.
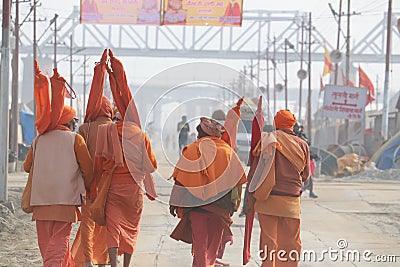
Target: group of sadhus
[{"x": 91, "y": 170}]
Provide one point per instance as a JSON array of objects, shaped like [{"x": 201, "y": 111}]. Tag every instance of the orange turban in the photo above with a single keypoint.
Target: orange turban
[
  {"x": 284, "y": 119},
  {"x": 105, "y": 108},
  {"x": 67, "y": 115}
]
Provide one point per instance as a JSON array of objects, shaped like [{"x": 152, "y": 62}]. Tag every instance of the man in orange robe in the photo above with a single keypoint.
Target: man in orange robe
[
  {"x": 92, "y": 248},
  {"x": 284, "y": 164},
  {"x": 207, "y": 190},
  {"x": 123, "y": 174},
  {"x": 62, "y": 168}
]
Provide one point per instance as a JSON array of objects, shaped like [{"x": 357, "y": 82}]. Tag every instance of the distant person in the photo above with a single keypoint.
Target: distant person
[
  {"x": 309, "y": 184},
  {"x": 183, "y": 130},
  {"x": 219, "y": 115},
  {"x": 298, "y": 130}
]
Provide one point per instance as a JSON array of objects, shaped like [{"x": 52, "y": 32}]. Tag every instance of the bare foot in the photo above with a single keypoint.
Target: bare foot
[{"x": 220, "y": 263}]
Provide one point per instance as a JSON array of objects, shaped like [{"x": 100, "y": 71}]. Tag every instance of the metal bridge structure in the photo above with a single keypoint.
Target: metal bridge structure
[{"x": 247, "y": 42}]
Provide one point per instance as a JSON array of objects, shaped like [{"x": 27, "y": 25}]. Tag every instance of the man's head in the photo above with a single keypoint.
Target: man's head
[
  {"x": 209, "y": 127},
  {"x": 68, "y": 118},
  {"x": 218, "y": 115},
  {"x": 106, "y": 109},
  {"x": 284, "y": 119},
  {"x": 184, "y": 118}
]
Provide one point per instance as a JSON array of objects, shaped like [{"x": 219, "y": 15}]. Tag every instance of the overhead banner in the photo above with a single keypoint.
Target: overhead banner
[
  {"x": 121, "y": 12},
  {"x": 174, "y": 12},
  {"x": 203, "y": 12},
  {"x": 344, "y": 102}
]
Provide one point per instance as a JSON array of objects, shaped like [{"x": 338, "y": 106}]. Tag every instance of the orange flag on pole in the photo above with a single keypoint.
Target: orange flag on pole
[
  {"x": 365, "y": 82},
  {"x": 328, "y": 66}
]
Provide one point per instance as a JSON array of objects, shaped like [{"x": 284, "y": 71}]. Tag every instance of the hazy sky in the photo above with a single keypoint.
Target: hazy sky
[{"x": 371, "y": 13}]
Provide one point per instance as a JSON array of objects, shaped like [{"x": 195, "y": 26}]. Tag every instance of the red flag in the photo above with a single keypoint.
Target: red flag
[
  {"x": 351, "y": 84},
  {"x": 328, "y": 66},
  {"x": 365, "y": 82}
]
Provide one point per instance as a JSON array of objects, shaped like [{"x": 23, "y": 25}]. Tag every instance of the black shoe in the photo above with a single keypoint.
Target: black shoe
[{"x": 312, "y": 195}]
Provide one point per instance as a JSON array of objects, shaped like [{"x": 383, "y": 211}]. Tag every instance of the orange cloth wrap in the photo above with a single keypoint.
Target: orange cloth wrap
[
  {"x": 279, "y": 233},
  {"x": 96, "y": 99},
  {"x": 53, "y": 240},
  {"x": 207, "y": 161},
  {"x": 42, "y": 98}
]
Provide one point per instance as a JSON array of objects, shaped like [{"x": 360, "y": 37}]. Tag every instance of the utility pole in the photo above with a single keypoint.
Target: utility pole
[
  {"x": 71, "y": 79},
  {"x": 309, "y": 80},
  {"x": 338, "y": 39},
  {"x": 286, "y": 80},
  {"x": 301, "y": 67},
  {"x": 258, "y": 72},
  {"x": 54, "y": 20},
  {"x": 14, "y": 93},
  {"x": 34, "y": 59},
  {"x": 274, "y": 75},
  {"x": 346, "y": 122},
  {"x": 4, "y": 83},
  {"x": 377, "y": 93},
  {"x": 34, "y": 36},
  {"x": 14, "y": 102},
  {"x": 84, "y": 86},
  {"x": 385, "y": 111},
  {"x": 267, "y": 89},
  {"x": 34, "y": 48}
]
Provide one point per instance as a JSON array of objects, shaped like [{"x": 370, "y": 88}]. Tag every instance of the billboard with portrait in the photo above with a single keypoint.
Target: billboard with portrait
[
  {"x": 121, "y": 12},
  {"x": 203, "y": 12}
]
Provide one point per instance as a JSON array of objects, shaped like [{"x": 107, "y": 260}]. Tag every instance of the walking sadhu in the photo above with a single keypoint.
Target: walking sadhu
[
  {"x": 121, "y": 172},
  {"x": 61, "y": 167},
  {"x": 283, "y": 164},
  {"x": 90, "y": 245},
  {"x": 208, "y": 179}
]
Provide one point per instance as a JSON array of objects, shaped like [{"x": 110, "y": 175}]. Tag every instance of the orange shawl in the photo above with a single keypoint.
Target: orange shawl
[
  {"x": 121, "y": 92},
  {"x": 96, "y": 98},
  {"x": 42, "y": 98},
  {"x": 127, "y": 108},
  {"x": 207, "y": 168},
  {"x": 265, "y": 181}
]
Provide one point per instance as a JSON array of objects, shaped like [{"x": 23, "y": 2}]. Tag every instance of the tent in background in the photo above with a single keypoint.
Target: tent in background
[
  {"x": 27, "y": 122},
  {"x": 385, "y": 156}
]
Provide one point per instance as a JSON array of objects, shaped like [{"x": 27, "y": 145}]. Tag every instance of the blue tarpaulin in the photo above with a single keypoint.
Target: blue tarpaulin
[
  {"x": 384, "y": 157},
  {"x": 28, "y": 126}
]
